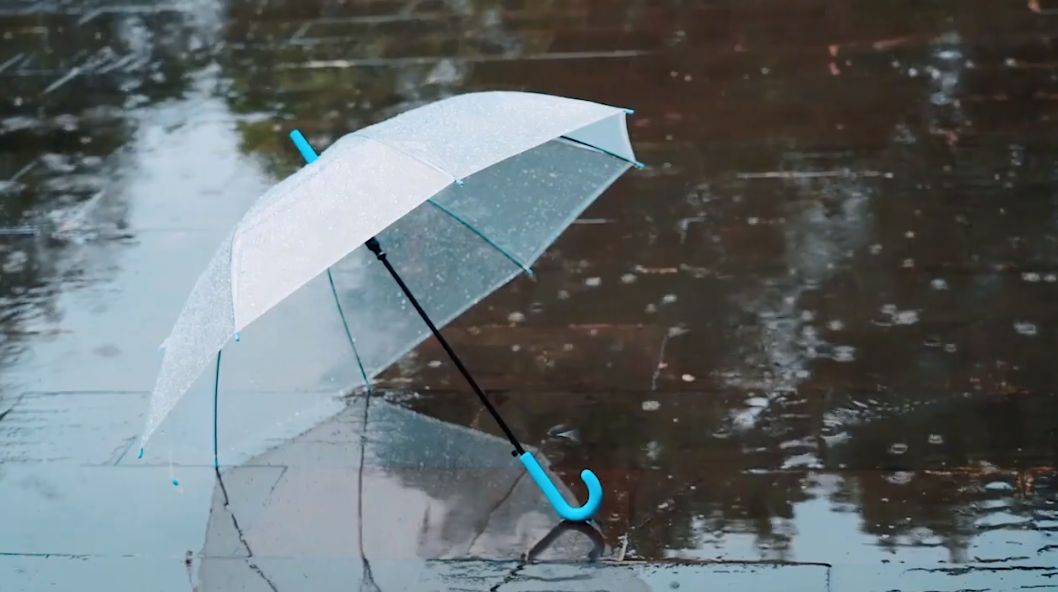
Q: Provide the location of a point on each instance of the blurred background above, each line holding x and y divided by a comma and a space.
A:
819, 327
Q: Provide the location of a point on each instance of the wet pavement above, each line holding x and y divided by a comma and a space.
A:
809, 347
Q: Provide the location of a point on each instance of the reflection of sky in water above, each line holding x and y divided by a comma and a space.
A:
844, 540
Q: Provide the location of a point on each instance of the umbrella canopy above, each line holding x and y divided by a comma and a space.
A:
465, 194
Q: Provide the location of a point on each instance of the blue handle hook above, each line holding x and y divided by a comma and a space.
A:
558, 502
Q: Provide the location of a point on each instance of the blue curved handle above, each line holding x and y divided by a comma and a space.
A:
555, 497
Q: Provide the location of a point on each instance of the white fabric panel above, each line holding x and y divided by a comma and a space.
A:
358, 188
469, 133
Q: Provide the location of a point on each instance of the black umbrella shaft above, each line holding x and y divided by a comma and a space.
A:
376, 248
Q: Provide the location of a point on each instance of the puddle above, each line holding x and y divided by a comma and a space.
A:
816, 333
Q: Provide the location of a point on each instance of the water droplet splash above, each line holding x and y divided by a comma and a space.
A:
1025, 328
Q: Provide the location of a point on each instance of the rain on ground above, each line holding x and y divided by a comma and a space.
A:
810, 346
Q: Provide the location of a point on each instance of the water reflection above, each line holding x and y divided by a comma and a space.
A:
74, 78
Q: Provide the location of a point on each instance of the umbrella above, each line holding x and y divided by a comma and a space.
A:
429, 211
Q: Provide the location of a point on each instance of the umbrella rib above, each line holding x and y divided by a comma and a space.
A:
437, 168
634, 163
450, 213
216, 396
483, 237
348, 332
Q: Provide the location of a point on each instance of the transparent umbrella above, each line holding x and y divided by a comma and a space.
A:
431, 211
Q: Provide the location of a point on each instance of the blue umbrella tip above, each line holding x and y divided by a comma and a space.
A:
459, 182
629, 111
237, 338
176, 483
304, 148
140, 454
639, 165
